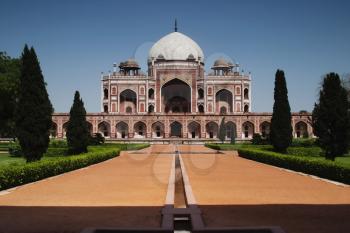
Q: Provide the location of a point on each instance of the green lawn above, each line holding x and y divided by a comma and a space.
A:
344, 161
8, 160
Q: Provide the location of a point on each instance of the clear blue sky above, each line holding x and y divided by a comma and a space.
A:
77, 40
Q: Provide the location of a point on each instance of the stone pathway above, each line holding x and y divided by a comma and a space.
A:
232, 191
128, 190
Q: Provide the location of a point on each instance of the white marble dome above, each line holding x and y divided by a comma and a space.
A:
176, 46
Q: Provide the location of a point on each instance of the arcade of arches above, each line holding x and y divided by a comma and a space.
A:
191, 129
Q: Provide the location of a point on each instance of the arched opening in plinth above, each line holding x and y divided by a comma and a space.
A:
89, 126
105, 129
53, 130
64, 129
265, 129
247, 130
231, 130
194, 130
211, 129
176, 129
301, 130
176, 97
122, 130
128, 100
157, 130
140, 130
223, 99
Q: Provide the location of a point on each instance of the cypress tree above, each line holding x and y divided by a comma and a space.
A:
330, 117
34, 109
77, 128
233, 135
222, 130
281, 128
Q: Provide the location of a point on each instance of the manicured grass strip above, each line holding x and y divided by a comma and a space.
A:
217, 146
12, 176
321, 168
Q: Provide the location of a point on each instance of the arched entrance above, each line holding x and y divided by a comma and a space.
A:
104, 129
247, 130
301, 130
201, 108
89, 126
122, 130
64, 129
230, 130
194, 130
265, 129
223, 99
140, 130
176, 96
157, 130
53, 130
150, 109
175, 129
212, 130
128, 101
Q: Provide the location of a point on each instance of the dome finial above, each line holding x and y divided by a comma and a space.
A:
175, 25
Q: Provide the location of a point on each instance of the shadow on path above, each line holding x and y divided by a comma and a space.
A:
292, 218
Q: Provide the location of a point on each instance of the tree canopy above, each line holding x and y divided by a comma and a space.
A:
34, 109
77, 129
9, 84
330, 117
281, 129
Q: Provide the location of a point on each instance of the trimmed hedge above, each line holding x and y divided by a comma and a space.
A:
220, 146
17, 175
322, 168
216, 147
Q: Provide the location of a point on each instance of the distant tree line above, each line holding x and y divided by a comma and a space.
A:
9, 85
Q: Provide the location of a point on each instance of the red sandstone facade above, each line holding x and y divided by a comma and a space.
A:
176, 99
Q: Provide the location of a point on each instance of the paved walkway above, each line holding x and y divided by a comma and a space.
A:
233, 191
130, 190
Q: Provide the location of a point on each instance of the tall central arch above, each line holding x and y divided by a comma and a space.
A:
176, 96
